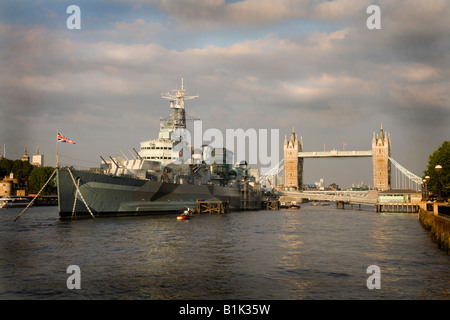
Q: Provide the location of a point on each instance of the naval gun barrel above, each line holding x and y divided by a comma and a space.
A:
137, 153
114, 162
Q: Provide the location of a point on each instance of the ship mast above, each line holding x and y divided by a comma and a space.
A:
177, 99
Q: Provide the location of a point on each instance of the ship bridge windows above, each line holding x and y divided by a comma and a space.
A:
158, 158
156, 148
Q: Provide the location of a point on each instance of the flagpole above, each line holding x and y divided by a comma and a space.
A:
56, 164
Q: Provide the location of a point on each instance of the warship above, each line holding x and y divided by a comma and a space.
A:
158, 179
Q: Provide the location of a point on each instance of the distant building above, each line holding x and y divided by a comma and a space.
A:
333, 187
6, 187
11, 186
359, 187
320, 184
38, 159
26, 157
310, 187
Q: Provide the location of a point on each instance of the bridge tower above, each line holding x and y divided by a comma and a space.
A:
293, 165
381, 151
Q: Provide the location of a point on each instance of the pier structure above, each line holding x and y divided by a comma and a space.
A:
208, 206
394, 200
399, 200
398, 207
271, 205
339, 196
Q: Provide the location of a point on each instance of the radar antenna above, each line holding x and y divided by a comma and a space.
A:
177, 99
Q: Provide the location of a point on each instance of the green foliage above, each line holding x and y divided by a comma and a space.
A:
21, 169
5, 167
38, 178
440, 156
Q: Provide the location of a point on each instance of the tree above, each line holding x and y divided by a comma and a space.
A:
5, 167
21, 169
440, 156
38, 178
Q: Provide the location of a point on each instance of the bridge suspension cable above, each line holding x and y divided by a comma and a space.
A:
272, 172
408, 176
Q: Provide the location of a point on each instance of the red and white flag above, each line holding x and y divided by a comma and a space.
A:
61, 138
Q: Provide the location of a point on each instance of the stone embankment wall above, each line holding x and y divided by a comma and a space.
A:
439, 228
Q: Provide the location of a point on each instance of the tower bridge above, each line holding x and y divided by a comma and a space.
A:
382, 161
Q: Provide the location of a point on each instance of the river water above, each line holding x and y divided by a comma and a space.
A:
317, 252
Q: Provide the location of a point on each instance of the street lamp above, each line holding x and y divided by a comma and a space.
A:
427, 179
425, 188
425, 191
438, 169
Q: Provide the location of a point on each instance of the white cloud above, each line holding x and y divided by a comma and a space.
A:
214, 13
426, 96
340, 9
138, 30
419, 72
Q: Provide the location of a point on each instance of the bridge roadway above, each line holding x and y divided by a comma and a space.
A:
353, 197
335, 154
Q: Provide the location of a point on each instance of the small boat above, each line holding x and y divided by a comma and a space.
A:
14, 201
187, 214
294, 205
321, 204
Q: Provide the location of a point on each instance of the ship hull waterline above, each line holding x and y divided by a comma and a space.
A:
113, 196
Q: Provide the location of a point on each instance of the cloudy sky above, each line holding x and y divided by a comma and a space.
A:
261, 64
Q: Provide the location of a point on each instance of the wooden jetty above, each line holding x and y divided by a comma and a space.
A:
208, 206
398, 207
271, 205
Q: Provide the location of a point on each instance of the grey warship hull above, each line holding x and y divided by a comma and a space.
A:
108, 195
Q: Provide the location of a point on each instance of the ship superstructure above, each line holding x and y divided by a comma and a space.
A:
160, 149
